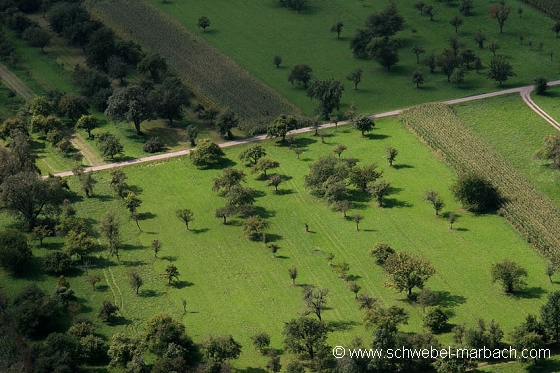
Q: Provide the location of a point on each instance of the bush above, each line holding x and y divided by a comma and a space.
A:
56, 262
153, 145
435, 320
15, 253
380, 252
476, 193
541, 85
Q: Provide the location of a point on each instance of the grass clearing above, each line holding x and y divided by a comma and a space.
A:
253, 32
234, 286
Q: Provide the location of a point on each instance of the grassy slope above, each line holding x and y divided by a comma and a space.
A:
516, 132
549, 101
234, 286
253, 32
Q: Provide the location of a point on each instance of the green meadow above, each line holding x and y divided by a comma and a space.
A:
253, 32
235, 286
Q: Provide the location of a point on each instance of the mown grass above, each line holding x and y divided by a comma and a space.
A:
235, 286
513, 129
253, 32
549, 101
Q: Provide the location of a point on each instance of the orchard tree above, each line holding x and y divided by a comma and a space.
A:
379, 190
448, 61
93, 280
135, 280
381, 252
191, 133
550, 150
87, 123
110, 230
452, 218
203, 23
156, 247
363, 123
277, 61
391, 154
293, 272
264, 164
300, 74
169, 99
107, 311
476, 193
230, 177
254, 226
252, 154
479, 38
171, 272
435, 320
357, 219
15, 253
417, 78
456, 22
432, 197
275, 181
132, 104
118, 183
509, 274
466, 7
305, 335
109, 145
500, 69
73, 107
417, 49
226, 121
339, 149
550, 315
218, 350
355, 77
556, 28
153, 64
500, 13
337, 28
225, 212
261, 341
406, 271
541, 85
315, 300
384, 50
328, 92
206, 153
186, 216
361, 176
281, 126
36, 36
116, 68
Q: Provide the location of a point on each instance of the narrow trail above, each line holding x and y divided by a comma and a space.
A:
523, 91
15, 83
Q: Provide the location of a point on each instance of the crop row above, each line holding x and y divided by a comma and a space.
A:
213, 77
525, 207
550, 7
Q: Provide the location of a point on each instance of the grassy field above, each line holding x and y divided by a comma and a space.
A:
549, 101
516, 132
253, 32
235, 286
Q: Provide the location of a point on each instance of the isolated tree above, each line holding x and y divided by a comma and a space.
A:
118, 183
206, 154
493, 46
427, 298
109, 145
293, 272
203, 23
379, 190
315, 300
225, 212
509, 274
550, 150
456, 22
156, 246
252, 154
417, 49
185, 215
357, 219
339, 149
343, 206
226, 121
354, 288
169, 99
305, 335
132, 202
556, 28
406, 271
355, 77
479, 38
135, 280
466, 7
337, 28
530, 43
277, 61
500, 13
475, 193
541, 85
273, 364
384, 50
275, 181
132, 104
391, 154
431, 11
218, 350
191, 133
15, 253
265, 164
328, 92
363, 124
432, 197
171, 272
300, 74
281, 126
110, 229
93, 280
365, 301
261, 341
107, 311
381, 252
448, 61
254, 226
435, 320
87, 123
550, 315
431, 61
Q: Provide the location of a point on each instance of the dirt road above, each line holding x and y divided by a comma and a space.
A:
12, 81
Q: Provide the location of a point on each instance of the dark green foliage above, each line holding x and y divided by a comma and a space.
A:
355, 77
37, 37
325, 168
238, 196
108, 311
252, 154
337, 28
328, 92
73, 106
15, 253
509, 274
261, 341
218, 350
361, 176
58, 353
427, 298
226, 121
203, 23
281, 126
500, 69
161, 331
389, 319
475, 193
550, 150
191, 133
479, 38
153, 145
435, 320
170, 98
381, 252
277, 61
359, 43
155, 65
109, 145
300, 74
56, 262
379, 190
230, 177
264, 164
254, 226
305, 335
171, 272
100, 46
550, 315
34, 311
500, 13
116, 68
483, 335
384, 50
466, 7
132, 104
385, 23
448, 61
88, 123
541, 85
406, 271
206, 153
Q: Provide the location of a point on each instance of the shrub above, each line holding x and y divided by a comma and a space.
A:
380, 252
435, 319
476, 193
154, 145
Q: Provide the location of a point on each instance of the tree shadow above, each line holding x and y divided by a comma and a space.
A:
146, 215
182, 284
282, 257
448, 300
353, 277
302, 142
119, 321
530, 293
198, 231
401, 166
282, 192
395, 203
223, 163
102, 288
150, 293
133, 263
129, 247
264, 213
544, 366
102, 197
169, 258
342, 325
136, 189
375, 136
273, 237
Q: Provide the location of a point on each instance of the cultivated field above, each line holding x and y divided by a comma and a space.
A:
236, 286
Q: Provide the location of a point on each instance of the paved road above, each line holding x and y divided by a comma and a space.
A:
523, 91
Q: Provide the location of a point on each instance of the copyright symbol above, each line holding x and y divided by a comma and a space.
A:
339, 352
